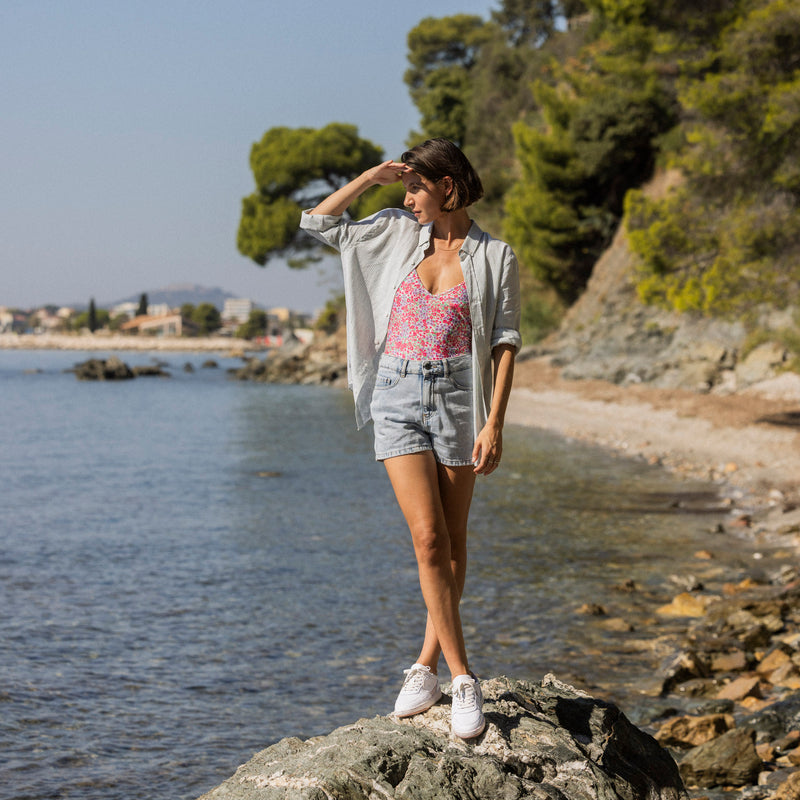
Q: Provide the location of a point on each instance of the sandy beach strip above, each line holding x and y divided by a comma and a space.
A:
118, 342
723, 439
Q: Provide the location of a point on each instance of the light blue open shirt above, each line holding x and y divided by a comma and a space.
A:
377, 254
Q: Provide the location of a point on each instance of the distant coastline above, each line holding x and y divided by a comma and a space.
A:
52, 341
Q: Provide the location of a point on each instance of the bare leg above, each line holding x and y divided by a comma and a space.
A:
455, 488
433, 498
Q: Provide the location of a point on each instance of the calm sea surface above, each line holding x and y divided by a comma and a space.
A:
193, 568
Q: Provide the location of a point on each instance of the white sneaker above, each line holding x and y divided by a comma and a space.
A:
420, 691
467, 719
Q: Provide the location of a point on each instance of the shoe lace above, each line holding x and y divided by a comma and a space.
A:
464, 696
415, 679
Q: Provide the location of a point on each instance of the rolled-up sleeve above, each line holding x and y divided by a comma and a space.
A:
326, 228
506, 323
343, 233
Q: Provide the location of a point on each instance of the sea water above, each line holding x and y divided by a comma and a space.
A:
192, 568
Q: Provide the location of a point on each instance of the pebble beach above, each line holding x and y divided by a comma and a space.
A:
728, 704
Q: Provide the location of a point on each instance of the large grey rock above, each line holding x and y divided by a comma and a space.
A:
547, 741
729, 760
97, 369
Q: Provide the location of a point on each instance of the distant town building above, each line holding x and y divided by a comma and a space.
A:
237, 309
47, 321
162, 325
6, 321
130, 308
288, 318
282, 315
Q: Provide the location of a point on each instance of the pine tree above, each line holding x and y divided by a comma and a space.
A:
92, 325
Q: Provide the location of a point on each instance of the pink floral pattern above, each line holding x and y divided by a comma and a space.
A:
424, 325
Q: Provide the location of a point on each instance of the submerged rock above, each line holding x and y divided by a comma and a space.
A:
150, 371
542, 741
115, 369
97, 369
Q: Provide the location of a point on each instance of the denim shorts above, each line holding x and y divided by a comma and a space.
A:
424, 405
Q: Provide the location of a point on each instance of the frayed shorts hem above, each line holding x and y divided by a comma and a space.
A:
448, 462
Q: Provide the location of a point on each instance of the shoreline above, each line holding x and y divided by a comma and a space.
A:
118, 342
724, 439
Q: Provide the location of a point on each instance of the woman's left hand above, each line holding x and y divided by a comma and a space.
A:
488, 449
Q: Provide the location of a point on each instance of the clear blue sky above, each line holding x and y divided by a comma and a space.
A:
125, 131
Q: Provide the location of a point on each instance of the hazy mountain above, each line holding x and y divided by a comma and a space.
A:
177, 294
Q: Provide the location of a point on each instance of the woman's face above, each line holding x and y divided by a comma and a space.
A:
423, 198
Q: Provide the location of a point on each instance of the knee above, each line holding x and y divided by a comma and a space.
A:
431, 547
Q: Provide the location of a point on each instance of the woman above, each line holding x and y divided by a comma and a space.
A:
432, 330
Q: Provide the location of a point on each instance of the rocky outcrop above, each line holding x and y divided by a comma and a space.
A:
114, 369
610, 334
542, 741
323, 361
97, 369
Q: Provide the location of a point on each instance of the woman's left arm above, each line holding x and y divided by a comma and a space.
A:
489, 442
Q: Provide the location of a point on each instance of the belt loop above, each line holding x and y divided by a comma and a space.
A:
404, 370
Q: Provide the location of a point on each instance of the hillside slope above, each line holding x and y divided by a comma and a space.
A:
610, 334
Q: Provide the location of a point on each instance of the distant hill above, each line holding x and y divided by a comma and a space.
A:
177, 294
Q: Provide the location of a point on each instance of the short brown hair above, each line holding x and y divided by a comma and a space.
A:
438, 158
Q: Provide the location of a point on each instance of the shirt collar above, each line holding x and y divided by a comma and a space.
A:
472, 239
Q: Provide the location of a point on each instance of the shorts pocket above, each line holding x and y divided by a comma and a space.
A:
462, 379
386, 378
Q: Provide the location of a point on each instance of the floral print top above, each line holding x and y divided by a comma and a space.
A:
424, 325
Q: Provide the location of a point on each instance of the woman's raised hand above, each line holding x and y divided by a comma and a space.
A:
387, 172
381, 175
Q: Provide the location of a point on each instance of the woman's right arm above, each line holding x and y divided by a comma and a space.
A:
381, 175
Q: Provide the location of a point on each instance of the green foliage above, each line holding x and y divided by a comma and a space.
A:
93, 318
332, 316
203, 319
142, 308
442, 53
528, 22
378, 198
295, 168
541, 314
116, 322
596, 138
721, 258
501, 95
728, 238
92, 321
689, 21
255, 326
